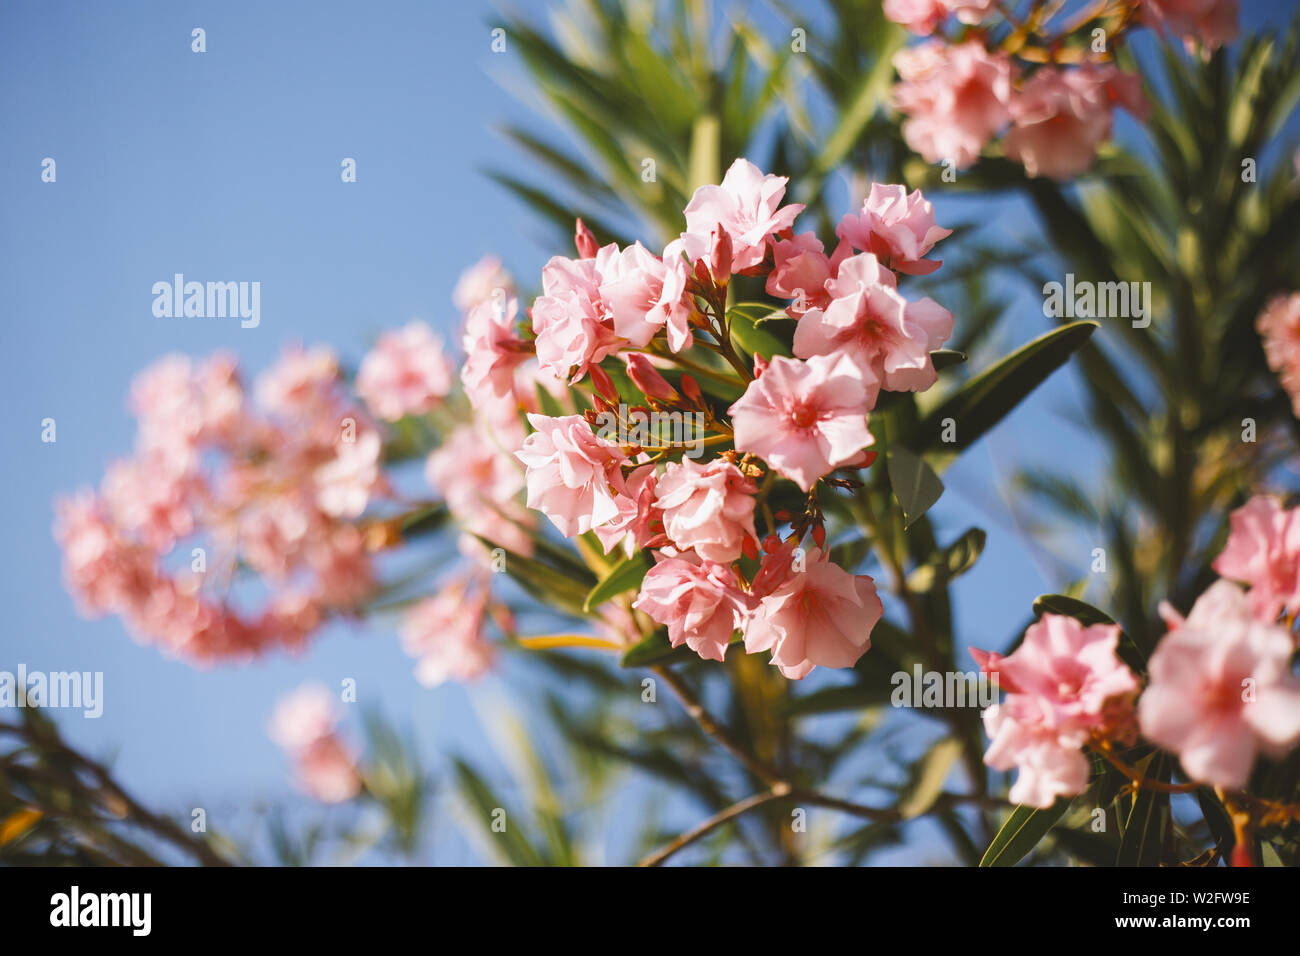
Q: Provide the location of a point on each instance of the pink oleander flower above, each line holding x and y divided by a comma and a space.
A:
1263, 552
924, 16
896, 227
708, 509
698, 601
304, 724
956, 99
446, 634
346, 483
180, 405
406, 373
572, 473
819, 615
801, 270
570, 319
1062, 116
1221, 690
888, 337
493, 352
805, 419
302, 383
645, 294
1064, 683
484, 281
748, 206
149, 498
1279, 328
480, 482
638, 522
1208, 23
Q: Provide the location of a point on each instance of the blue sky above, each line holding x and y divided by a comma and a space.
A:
225, 165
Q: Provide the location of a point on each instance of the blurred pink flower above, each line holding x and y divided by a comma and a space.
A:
805, 419
484, 281
1208, 23
896, 227
445, 633
1279, 327
304, 725
698, 601
480, 482
1221, 690
818, 616
889, 338
708, 509
1263, 552
923, 16
1059, 119
406, 373
956, 99
748, 206
571, 473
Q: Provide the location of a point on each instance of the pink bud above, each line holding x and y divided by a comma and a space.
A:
603, 384
760, 366
585, 240
720, 253
647, 378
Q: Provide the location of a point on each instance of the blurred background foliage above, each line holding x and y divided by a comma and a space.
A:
803, 93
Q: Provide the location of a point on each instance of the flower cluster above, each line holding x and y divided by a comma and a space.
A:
220, 483
1220, 687
800, 418
305, 724
1048, 92
1279, 328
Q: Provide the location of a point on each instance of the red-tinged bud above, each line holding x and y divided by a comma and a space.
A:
720, 254
819, 535
749, 548
603, 384
647, 378
870, 459
691, 389
600, 405
585, 240
1241, 855
702, 275
771, 543
760, 366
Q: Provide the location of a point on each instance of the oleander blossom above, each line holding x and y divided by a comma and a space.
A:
482, 282
698, 601
1221, 689
956, 99
447, 635
573, 476
1065, 684
1207, 23
897, 227
406, 373
816, 615
480, 482
708, 509
1278, 326
924, 16
806, 419
304, 724
889, 338
1263, 552
748, 206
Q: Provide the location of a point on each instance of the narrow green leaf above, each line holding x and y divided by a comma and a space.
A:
1144, 832
1022, 832
928, 777
954, 560
1071, 607
915, 484
624, 576
510, 842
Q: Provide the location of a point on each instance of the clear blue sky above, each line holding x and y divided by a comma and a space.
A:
225, 165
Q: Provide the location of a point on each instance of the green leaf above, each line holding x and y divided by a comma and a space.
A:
928, 778
987, 398
652, 650
1022, 832
1144, 832
565, 589
745, 319
510, 842
869, 96
954, 560
624, 576
1081, 611
915, 484
945, 358
829, 700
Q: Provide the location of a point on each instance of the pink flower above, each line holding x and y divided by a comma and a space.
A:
480, 481
1222, 690
820, 615
806, 419
1279, 327
697, 600
888, 337
707, 508
484, 281
572, 473
898, 228
301, 384
634, 525
346, 483
1059, 119
645, 294
801, 270
446, 633
181, 405
1263, 551
150, 499
748, 206
406, 373
493, 351
956, 99
923, 16
1211, 23
571, 319
303, 724
1065, 682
